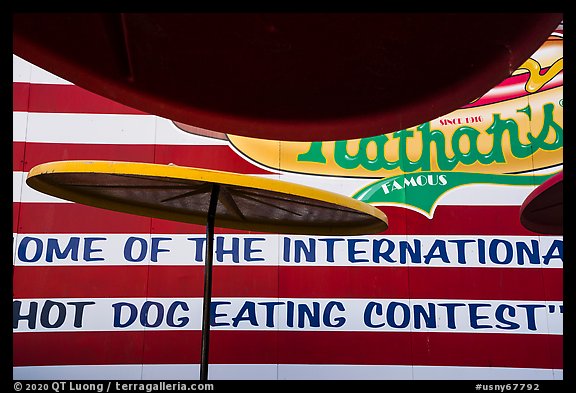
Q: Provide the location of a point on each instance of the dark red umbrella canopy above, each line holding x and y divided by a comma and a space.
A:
542, 211
285, 76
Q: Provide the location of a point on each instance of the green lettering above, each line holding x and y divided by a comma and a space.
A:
472, 155
314, 154
518, 149
380, 161
496, 154
527, 111
342, 158
405, 164
436, 136
346, 160
538, 141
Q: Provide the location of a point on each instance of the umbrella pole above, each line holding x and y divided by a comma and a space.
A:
208, 282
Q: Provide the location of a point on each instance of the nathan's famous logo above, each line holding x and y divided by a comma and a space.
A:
514, 129
529, 138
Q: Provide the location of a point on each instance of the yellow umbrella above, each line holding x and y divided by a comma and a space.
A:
213, 198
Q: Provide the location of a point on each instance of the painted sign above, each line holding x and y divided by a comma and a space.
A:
456, 288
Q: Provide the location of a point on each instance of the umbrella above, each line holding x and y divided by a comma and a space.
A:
286, 76
213, 198
542, 210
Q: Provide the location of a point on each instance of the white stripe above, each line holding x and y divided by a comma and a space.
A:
486, 194
17, 186
215, 371
21, 69
90, 128
109, 129
339, 185
186, 372
21, 192
294, 314
19, 126
24, 71
523, 375
390, 372
280, 250
548, 171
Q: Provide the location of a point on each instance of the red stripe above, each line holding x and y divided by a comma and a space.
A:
142, 281
102, 281
425, 349
15, 217
420, 283
52, 98
488, 350
20, 96
57, 217
447, 220
77, 218
463, 220
553, 284
290, 347
216, 157
289, 282
18, 151
38, 153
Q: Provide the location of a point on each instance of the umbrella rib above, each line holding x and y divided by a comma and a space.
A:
228, 201
334, 207
242, 195
201, 190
